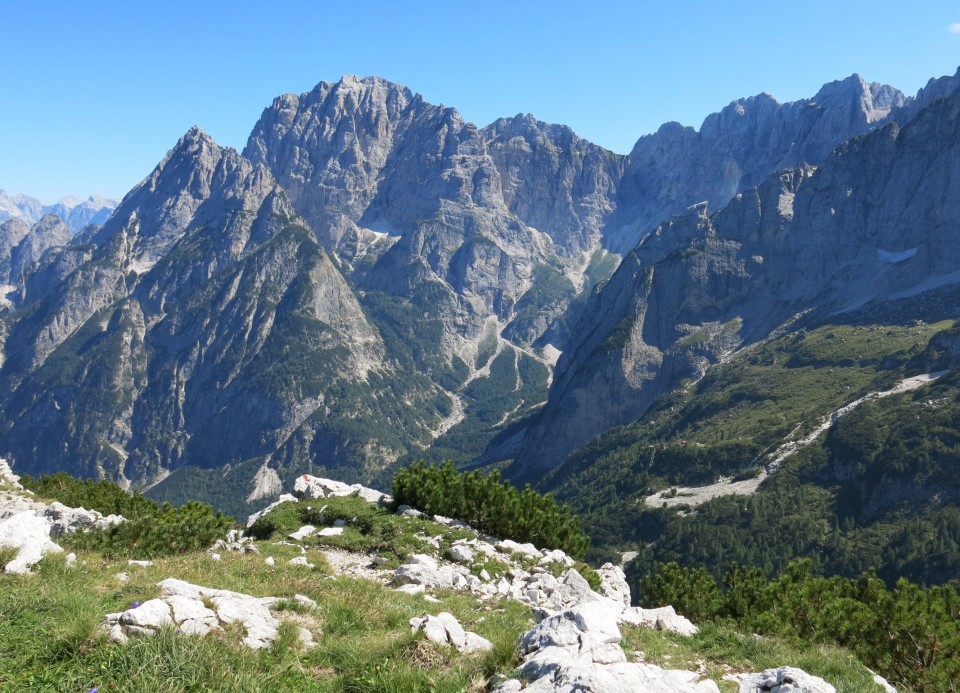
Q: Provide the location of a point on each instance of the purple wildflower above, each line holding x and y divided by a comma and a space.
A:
133, 606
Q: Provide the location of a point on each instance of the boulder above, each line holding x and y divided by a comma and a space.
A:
302, 533
662, 618
509, 547
66, 520
152, 614
407, 511
556, 556
445, 629
450, 522
30, 535
613, 584
460, 553
6, 474
579, 650
785, 680
621, 678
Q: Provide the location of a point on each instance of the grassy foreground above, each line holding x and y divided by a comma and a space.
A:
49, 639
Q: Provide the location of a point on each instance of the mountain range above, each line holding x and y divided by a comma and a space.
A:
74, 212
375, 280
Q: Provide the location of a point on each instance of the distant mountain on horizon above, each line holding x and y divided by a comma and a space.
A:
74, 212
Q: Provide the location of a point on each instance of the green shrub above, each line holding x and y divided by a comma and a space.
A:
103, 496
169, 531
149, 529
909, 634
490, 505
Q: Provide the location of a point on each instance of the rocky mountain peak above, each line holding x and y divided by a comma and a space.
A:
868, 102
177, 195
936, 88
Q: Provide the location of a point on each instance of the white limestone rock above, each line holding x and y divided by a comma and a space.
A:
883, 683
185, 606
152, 614
407, 511
785, 680
30, 535
613, 584
307, 486
460, 553
445, 629
579, 650
509, 547
662, 618
302, 533
556, 556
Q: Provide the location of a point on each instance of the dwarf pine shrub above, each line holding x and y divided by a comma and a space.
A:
149, 530
490, 505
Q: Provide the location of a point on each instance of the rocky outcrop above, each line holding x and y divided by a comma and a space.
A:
308, 486
26, 524
196, 610
579, 650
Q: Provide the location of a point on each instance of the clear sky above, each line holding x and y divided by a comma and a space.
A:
94, 93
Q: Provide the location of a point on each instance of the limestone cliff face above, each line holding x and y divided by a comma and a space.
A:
22, 246
738, 148
12, 232
555, 181
871, 223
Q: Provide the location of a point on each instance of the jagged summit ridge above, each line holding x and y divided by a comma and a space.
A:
868, 224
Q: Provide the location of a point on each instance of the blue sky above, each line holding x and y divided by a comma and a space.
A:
94, 93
